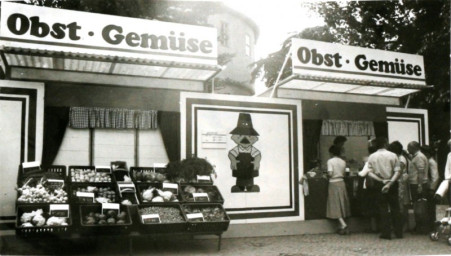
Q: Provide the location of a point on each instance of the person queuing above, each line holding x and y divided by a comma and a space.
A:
340, 141
403, 185
337, 201
384, 170
418, 171
443, 188
369, 193
433, 183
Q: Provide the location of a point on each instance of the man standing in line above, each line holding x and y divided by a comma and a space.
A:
384, 168
418, 172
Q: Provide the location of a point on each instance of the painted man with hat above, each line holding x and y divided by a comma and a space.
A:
244, 158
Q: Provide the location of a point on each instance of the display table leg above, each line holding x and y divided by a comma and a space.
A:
130, 245
219, 242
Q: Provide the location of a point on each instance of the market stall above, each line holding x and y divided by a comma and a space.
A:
352, 92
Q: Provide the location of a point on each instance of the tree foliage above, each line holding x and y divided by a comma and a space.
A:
416, 27
186, 12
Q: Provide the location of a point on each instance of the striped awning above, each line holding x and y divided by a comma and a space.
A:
345, 90
48, 65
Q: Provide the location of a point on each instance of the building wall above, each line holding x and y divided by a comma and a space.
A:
238, 68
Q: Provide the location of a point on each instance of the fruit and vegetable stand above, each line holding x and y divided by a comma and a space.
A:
89, 202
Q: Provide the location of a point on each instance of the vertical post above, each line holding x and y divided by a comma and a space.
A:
91, 146
136, 147
276, 84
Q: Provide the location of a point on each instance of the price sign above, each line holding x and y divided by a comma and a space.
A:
195, 216
203, 178
55, 183
173, 187
59, 210
151, 218
103, 169
31, 167
201, 197
111, 207
85, 197
126, 187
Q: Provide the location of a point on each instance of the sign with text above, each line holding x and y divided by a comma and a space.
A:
203, 178
59, 210
150, 218
111, 207
195, 216
54, 183
46, 28
31, 167
201, 197
333, 60
85, 197
173, 187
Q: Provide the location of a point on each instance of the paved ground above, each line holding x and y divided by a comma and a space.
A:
303, 245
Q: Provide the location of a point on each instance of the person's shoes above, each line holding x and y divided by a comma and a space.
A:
343, 231
385, 237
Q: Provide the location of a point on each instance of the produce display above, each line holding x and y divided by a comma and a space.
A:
102, 194
167, 214
211, 191
37, 219
210, 213
149, 176
111, 217
89, 175
155, 195
41, 194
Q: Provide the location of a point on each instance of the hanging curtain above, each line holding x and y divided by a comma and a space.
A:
169, 122
112, 118
55, 124
311, 131
347, 128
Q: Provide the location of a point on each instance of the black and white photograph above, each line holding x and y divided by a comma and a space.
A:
225, 127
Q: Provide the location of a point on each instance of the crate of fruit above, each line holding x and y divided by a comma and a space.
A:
206, 217
96, 220
201, 194
93, 193
159, 218
158, 192
41, 220
148, 174
79, 174
42, 188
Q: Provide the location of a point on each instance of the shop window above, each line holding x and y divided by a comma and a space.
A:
224, 34
247, 46
114, 145
74, 149
151, 148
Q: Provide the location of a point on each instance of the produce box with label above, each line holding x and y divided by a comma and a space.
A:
148, 174
42, 188
158, 192
201, 193
94, 193
43, 219
104, 219
158, 218
86, 174
206, 217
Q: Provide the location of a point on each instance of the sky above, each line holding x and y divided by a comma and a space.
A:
276, 19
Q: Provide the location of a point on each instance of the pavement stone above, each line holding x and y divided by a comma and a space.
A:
300, 245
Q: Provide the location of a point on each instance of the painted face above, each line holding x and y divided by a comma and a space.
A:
244, 140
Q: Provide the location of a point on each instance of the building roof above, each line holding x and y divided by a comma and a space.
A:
245, 18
